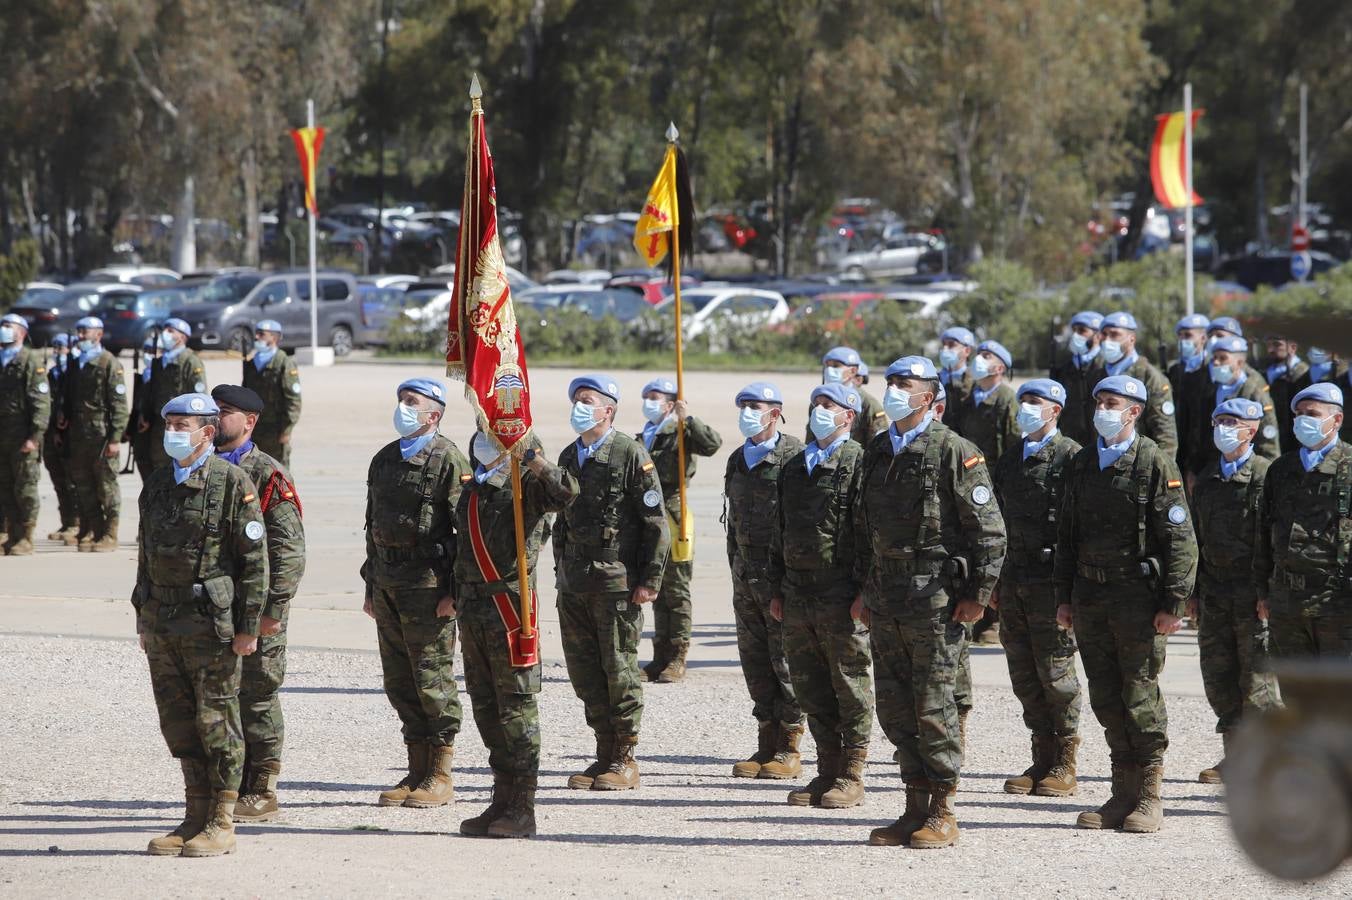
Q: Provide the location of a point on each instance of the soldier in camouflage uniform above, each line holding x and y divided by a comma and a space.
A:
751, 490
94, 414
412, 488
1230, 378
201, 584
1118, 356
53, 456
1029, 483
930, 545
1301, 554
142, 452
25, 407
672, 620
610, 547
177, 371
1323, 367
812, 593
957, 345
1231, 637
270, 373
502, 681
1074, 373
1285, 372
264, 671
843, 365
1126, 559
1188, 382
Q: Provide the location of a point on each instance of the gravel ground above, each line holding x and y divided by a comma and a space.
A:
87, 781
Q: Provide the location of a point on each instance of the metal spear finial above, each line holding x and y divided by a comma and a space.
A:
475, 92
672, 133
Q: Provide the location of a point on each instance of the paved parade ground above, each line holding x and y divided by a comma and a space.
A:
86, 779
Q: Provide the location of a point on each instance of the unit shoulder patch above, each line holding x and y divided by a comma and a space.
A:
981, 495
254, 531
1177, 514
1167, 407
651, 499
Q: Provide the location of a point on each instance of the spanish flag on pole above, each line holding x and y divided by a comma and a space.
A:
1168, 160
308, 142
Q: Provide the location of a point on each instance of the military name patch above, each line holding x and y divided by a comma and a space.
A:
120, 389
1167, 407
651, 499
253, 531
981, 495
1269, 431
1177, 514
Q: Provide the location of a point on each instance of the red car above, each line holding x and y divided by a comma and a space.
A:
845, 311
653, 285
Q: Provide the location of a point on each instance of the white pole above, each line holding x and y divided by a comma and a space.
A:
1187, 190
1304, 154
314, 264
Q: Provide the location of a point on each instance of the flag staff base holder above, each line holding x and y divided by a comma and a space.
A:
314, 356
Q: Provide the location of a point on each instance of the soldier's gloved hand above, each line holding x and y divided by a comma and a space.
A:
268, 626
1263, 610
1167, 623
682, 410
643, 595
1064, 617
284, 437
28, 446
368, 608
861, 613
446, 608
1192, 608
968, 611
114, 450
244, 644
777, 608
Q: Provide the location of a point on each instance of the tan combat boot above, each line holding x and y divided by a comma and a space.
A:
899, 833
66, 533
941, 826
437, 787
1213, 774
661, 653
478, 825
85, 542
217, 837
848, 789
766, 742
787, 762
1043, 747
107, 542
417, 771
198, 796
622, 773
518, 818
1126, 785
259, 800
22, 543
674, 670
605, 746
829, 762
1060, 781
1149, 812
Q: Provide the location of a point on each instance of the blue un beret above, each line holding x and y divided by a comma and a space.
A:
1196, 320
847, 397
1226, 323
1088, 318
148, 343
662, 385
1122, 319
863, 368
760, 392
428, 387
179, 325
959, 334
15, 319
844, 355
90, 322
191, 405
1239, 408
913, 367
1231, 344
1123, 386
61, 340
269, 325
602, 384
998, 350
1045, 388
1324, 392
941, 394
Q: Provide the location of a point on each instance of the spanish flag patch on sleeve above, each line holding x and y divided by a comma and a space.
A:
1173, 483
465, 478
648, 466
972, 461
248, 498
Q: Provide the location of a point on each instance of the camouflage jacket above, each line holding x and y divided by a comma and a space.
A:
614, 536
993, 425
1225, 514
959, 396
1201, 448
25, 398
1281, 390
278, 384
700, 440
94, 398
1157, 422
752, 513
1187, 387
1115, 519
170, 379
870, 420
281, 510
930, 530
56, 380
410, 515
201, 545
1030, 493
1077, 417
812, 548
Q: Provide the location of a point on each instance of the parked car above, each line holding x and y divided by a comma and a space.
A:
841, 310
890, 258
34, 292
128, 317
516, 279
577, 276
50, 315
1272, 268
129, 274
652, 283
596, 301
284, 297
707, 310
401, 282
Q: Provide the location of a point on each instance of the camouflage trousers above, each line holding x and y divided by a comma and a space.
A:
19, 476
962, 684
915, 671
504, 696
270, 442
95, 478
1041, 659
1122, 656
417, 657
195, 678
1296, 633
673, 619
600, 646
1233, 643
828, 656
260, 704
59, 471
760, 647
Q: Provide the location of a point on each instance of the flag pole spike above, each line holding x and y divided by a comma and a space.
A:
475, 92
672, 133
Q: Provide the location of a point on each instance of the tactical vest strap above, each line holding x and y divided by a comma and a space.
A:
1140, 477
431, 469
929, 488
214, 498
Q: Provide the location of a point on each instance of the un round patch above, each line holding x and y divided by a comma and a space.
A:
1168, 407
42, 388
767, 393
651, 499
1269, 431
295, 388
1177, 514
200, 387
981, 495
253, 531
120, 389
196, 404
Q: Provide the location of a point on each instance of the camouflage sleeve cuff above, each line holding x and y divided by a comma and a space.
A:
275, 608
249, 625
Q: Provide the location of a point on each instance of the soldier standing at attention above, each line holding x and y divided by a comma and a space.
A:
53, 455
271, 374
259, 703
1285, 370
1231, 637
141, 450
177, 371
1230, 378
1323, 367
812, 592
610, 546
94, 415
1074, 375
843, 365
929, 549
201, 585
957, 345
502, 688
1126, 559
751, 489
1119, 357
1030, 481
412, 489
1300, 560
25, 408
1188, 382
672, 619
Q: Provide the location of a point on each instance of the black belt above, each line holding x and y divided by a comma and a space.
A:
409, 554
1105, 574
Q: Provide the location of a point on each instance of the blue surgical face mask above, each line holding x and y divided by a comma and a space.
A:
654, 410
167, 341
1112, 351
7, 335
1108, 423
1030, 418
1188, 350
897, 404
981, 368
1079, 344
86, 345
948, 358
583, 417
406, 419
751, 422
178, 444
823, 422
1317, 357
261, 346
1222, 374
1226, 438
832, 374
1310, 430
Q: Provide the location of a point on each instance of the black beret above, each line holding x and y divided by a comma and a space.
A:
238, 396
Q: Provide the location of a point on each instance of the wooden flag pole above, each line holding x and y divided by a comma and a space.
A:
672, 135
522, 575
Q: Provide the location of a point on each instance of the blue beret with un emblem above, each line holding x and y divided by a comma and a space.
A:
1240, 409
61, 340
428, 387
661, 385
179, 325
191, 405
602, 384
961, 335
1324, 392
1045, 388
913, 367
997, 349
269, 325
846, 356
1196, 320
1231, 344
1122, 319
1088, 318
839, 394
1226, 323
1123, 386
15, 319
759, 392
90, 322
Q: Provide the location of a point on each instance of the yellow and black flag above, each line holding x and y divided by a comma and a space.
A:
669, 208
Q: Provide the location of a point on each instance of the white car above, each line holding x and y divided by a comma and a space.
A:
706, 310
399, 282
577, 276
128, 274
891, 258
